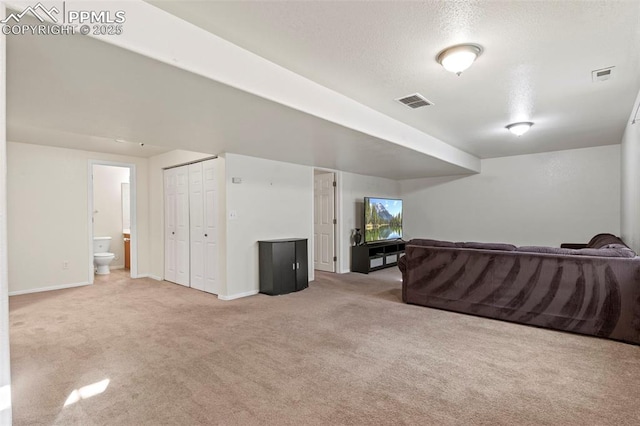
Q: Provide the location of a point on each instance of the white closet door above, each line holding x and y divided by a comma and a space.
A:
196, 216
182, 226
170, 189
211, 279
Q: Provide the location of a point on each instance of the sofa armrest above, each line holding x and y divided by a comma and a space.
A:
402, 264
575, 246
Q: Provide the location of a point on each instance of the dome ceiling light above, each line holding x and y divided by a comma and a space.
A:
459, 57
519, 129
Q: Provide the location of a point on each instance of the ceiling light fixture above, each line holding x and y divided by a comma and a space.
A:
459, 57
521, 128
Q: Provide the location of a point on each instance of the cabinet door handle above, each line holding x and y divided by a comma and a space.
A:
294, 266
205, 235
298, 265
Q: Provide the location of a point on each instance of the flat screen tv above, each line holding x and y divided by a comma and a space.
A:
382, 219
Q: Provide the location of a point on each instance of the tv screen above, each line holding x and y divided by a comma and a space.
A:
382, 219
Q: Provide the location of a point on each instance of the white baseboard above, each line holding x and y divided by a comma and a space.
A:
116, 266
41, 289
238, 295
153, 277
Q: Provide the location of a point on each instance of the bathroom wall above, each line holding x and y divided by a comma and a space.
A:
107, 207
48, 215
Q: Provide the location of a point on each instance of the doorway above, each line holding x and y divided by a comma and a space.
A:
324, 220
112, 214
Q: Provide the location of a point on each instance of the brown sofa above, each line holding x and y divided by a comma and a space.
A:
593, 290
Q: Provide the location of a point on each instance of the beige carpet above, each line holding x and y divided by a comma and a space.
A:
344, 351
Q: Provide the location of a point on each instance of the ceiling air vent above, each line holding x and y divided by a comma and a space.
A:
603, 74
414, 101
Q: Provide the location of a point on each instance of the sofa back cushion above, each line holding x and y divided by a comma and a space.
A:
545, 250
487, 246
431, 243
605, 241
603, 252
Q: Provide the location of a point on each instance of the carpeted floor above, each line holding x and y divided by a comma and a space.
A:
343, 351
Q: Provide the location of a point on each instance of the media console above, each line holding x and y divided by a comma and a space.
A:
373, 256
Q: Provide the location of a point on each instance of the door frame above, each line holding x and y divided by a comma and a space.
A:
337, 206
133, 191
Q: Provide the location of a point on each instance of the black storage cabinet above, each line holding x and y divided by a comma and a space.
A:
283, 266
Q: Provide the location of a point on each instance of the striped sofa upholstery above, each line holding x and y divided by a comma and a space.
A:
593, 291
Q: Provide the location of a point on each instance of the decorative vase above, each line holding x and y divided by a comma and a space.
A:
357, 237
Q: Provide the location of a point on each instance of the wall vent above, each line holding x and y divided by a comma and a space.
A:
414, 101
603, 74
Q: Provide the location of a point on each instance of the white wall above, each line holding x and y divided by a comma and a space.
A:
274, 200
354, 188
156, 203
630, 163
48, 205
5, 371
107, 206
539, 199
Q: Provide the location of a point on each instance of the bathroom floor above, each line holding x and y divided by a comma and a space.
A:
115, 276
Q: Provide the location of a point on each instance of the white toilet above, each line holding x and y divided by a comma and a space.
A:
101, 256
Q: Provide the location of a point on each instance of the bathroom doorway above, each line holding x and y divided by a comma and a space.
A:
112, 218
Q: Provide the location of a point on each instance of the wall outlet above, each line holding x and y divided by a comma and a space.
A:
233, 214
65, 264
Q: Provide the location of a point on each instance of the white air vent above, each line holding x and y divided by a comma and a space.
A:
414, 101
603, 74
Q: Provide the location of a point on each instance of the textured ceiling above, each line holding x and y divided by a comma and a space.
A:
78, 92
536, 64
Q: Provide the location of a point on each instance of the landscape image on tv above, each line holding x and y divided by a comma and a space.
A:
382, 219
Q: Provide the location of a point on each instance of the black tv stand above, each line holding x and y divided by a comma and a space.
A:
374, 256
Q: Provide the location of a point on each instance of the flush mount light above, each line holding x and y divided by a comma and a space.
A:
521, 128
458, 58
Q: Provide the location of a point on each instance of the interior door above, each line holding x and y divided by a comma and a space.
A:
182, 226
170, 188
210, 224
196, 224
323, 222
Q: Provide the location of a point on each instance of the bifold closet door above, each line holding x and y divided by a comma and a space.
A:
177, 262
204, 231
196, 221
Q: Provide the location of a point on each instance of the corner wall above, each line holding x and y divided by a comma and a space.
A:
47, 215
5, 371
537, 199
630, 182
354, 188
